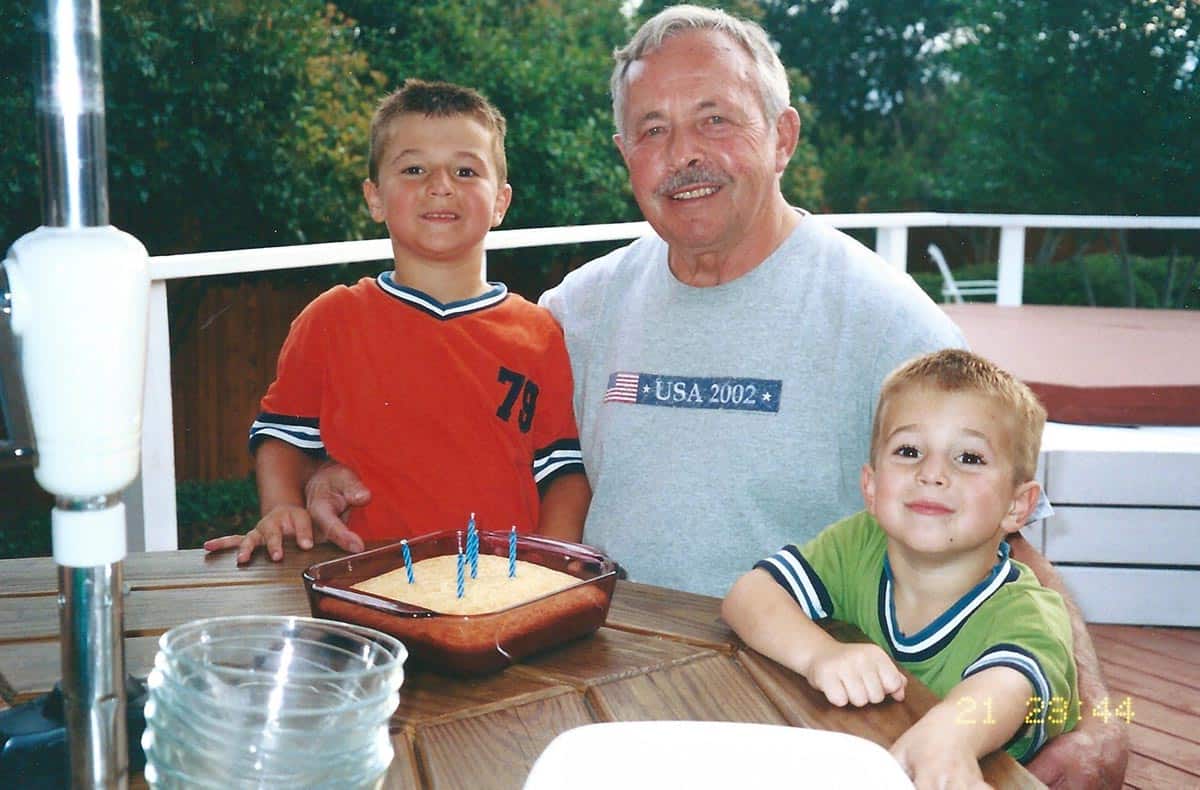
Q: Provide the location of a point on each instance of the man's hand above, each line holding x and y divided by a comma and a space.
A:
1094, 754
329, 495
857, 673
1090, 757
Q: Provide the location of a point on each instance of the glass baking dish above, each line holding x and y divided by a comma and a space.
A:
473, 644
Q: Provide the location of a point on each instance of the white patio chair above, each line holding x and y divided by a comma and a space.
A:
956, 289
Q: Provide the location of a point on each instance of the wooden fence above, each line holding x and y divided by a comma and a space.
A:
223, 360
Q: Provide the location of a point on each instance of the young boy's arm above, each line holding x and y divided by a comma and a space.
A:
768, 620
564, 507
281, 471
977, 717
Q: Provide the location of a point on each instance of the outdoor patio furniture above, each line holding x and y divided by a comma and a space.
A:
956, 289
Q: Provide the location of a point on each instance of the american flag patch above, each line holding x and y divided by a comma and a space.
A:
622, 388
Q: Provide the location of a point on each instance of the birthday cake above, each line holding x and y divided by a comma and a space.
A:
560, 591
435, 584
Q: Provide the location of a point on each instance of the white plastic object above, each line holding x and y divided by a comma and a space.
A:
79, 305
87, 538
708, 754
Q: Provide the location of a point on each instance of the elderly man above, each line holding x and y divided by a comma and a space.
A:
726, 368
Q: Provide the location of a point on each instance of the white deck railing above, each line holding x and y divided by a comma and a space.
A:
151, 500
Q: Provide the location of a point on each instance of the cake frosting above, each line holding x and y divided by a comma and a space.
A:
435, 584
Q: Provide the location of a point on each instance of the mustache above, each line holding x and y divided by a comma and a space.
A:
691, 175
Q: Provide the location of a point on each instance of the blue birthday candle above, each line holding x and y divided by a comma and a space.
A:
473, 547
407, 560
460, 566
512, 553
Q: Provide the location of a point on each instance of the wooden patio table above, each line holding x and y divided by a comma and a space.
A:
662, 654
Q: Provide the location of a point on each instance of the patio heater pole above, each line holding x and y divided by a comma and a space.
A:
78, 294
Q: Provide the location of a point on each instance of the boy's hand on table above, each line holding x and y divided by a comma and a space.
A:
268, 532
858, 673
933, 763
283, 521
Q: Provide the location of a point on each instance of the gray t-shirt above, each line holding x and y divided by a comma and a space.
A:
718, 424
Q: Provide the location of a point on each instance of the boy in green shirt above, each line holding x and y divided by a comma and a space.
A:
924, 572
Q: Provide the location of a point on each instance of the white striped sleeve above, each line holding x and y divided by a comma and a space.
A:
793, 573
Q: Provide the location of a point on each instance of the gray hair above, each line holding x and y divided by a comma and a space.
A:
771, 77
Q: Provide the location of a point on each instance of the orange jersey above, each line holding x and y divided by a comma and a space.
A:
442, 410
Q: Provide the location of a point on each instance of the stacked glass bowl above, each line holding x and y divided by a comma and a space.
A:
257, 702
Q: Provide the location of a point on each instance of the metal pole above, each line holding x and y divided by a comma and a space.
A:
70, 109
91, 619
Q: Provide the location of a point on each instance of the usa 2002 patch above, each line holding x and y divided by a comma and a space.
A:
694, 392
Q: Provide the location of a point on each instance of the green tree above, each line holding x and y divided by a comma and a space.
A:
229, 124
804, 180
545, 64
873, 81
866, 59
1076, 106
20, 209
235, 124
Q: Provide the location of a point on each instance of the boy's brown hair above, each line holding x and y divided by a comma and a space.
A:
956, 370
436, 100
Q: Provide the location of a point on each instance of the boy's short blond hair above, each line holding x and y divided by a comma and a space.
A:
436, 100
956, 370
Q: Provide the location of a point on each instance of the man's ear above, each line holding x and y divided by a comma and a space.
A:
1024, 500
374, 202
619, 141
787, 134
866, 481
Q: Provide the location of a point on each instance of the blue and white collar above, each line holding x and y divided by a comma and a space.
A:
933, 637
423, 301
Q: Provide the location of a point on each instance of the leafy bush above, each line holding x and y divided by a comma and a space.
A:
1069, 282
210, 509
26, 535
205, 510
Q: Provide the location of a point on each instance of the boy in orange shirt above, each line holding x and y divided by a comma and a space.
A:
447, 394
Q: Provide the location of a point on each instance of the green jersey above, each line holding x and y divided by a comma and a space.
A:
1008, 619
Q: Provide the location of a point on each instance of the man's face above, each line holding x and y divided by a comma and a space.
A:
703, 161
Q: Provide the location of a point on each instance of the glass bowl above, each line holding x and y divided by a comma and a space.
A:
257, 701
471, 644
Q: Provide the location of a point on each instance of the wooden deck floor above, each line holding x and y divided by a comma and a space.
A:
1159, 670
